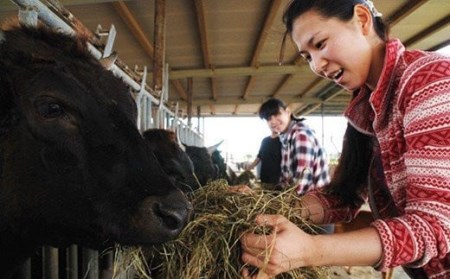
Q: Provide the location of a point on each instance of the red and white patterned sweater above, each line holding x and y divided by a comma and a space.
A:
409, 113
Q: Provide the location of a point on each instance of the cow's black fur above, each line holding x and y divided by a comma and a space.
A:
205, 170
74, 168
208, 163
174, 161
220, 165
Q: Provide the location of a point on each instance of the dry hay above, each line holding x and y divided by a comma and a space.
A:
247, 177
209, 246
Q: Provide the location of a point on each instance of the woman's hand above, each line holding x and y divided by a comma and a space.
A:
286, 248
260, 275
241, 188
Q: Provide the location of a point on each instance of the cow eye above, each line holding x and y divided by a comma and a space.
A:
50, 109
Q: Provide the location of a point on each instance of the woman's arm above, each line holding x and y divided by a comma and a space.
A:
312, 209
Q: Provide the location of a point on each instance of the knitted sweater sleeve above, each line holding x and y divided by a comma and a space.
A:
421, 236
334, 210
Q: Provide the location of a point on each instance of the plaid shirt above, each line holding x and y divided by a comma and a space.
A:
303, 160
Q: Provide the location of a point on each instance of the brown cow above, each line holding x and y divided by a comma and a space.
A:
73, 166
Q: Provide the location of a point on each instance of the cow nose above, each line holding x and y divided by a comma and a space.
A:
174, 218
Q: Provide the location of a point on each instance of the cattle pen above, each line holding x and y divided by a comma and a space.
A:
221, 58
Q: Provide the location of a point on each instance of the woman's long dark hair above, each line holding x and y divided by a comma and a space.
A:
351, 173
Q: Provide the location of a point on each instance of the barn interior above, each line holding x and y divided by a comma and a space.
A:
222, 58
216, 58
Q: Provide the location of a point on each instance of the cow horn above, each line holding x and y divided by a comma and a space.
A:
182, 146
213, 148
108, 62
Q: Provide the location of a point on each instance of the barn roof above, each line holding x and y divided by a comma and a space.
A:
222, 55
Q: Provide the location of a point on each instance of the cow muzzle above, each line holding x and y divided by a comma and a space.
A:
160, 219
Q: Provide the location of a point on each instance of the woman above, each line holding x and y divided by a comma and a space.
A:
398, 136
303, 161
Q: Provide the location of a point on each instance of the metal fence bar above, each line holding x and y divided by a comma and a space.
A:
90, 263
50, 262
72, 262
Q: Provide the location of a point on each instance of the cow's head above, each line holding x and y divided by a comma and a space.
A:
174, 161
74, 167
202, 158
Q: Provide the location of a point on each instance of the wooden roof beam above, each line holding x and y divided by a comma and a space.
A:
428, 31
159, 45
440, 45
317, 105
405, 10
285, 80
251, 100
310, 86
180, 89
137, 31
202, 30
268, 22
132, 24
238, 71
201, 21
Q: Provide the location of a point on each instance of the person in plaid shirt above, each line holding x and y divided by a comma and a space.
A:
303, 160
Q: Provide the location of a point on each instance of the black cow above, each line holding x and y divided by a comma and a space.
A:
204, 167
174, 161
220, 165
73, 166
208, 163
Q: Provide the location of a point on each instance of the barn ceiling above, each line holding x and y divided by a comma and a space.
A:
222, 55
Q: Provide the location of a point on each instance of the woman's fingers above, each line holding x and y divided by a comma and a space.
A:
242, 188
257, 259
274, 221
259, 275
256, 241
262, 275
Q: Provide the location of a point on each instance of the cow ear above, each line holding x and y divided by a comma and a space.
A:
213, 148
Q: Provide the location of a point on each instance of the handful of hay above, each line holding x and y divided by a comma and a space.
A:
209, 246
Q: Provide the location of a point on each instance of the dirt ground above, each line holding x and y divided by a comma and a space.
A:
358, 272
